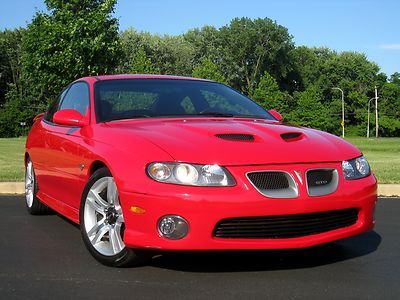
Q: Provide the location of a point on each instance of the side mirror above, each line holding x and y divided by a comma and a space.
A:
275, 114
69, 117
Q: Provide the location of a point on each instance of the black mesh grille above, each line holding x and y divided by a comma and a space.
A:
288, 226
319, 177
235, 136
269, 180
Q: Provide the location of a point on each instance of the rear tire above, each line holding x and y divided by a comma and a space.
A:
33, 204
102, 223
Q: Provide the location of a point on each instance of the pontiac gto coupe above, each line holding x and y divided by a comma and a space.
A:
150, 162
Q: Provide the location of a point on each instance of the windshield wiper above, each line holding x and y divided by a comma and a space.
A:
128, 117
215, 114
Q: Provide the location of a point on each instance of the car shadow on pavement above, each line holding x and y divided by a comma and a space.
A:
245, 261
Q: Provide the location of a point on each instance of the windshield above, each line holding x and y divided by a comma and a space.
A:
145, 98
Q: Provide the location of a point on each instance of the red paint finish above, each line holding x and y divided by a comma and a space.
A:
63, 157
69, 117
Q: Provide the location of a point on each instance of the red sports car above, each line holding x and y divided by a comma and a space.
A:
148, 162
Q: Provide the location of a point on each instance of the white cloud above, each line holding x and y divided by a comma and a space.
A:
390, 46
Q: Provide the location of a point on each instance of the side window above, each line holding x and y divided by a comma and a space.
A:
77, 98
54, 105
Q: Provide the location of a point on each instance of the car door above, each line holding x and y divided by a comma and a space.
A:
39, 149
63, 161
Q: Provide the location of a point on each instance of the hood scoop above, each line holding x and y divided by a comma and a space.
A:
237, 137
292, 136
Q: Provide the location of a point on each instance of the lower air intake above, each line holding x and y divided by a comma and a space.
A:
287, 226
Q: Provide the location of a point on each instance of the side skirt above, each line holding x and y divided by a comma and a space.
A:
60, 207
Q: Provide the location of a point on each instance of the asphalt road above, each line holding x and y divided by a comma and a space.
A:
43, 257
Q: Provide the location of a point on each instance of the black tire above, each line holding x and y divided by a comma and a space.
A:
127, 256
32, 202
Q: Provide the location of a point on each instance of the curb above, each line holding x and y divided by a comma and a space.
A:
17, 188
389, 190
12, 188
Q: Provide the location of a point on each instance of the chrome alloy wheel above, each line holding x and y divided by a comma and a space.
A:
103, 218
29, 184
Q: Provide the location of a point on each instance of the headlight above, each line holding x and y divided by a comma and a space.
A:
190, 174
356, 168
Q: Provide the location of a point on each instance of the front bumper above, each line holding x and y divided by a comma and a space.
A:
204, 207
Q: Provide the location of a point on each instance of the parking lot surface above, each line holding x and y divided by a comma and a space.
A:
43, 257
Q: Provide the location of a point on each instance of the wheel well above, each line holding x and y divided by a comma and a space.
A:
26, 158
95, 166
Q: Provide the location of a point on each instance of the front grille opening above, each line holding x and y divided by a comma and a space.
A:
322, 181
274, 184
285, 226
235, 136
269, 180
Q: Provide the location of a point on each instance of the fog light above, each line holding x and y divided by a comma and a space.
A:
173, 227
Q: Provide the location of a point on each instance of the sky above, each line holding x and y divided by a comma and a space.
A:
367, 26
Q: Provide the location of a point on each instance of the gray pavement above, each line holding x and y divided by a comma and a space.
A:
42, 257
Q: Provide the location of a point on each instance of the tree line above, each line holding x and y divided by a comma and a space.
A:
255, 56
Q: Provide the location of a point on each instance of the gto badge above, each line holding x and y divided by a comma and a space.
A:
321, 182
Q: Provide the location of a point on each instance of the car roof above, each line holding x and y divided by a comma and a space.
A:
139, 76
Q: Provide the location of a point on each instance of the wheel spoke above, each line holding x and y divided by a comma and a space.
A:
96, 201
29, 170
115, 239
98, 226
112, 194
100, 233
120, 218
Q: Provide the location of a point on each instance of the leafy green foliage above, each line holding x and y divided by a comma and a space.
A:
208, 70
310, 111
168, 54
251, 47
141, 64
256, 56
10, 61
17, 114
77, 38
269, 95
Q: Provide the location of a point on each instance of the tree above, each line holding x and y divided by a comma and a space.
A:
76, 38
269, 95
16, 103
308, 66
204, 42
141, 64
168, 54
10, 61
251, 47
310, 112
395, 78
208, 70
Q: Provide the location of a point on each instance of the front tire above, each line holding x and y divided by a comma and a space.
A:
102, 223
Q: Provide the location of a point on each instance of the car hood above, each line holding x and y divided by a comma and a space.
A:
230, 141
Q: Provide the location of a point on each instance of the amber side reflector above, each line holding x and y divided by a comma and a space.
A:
137, 210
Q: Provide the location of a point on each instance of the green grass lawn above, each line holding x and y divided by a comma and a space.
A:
383, 154
12, 159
